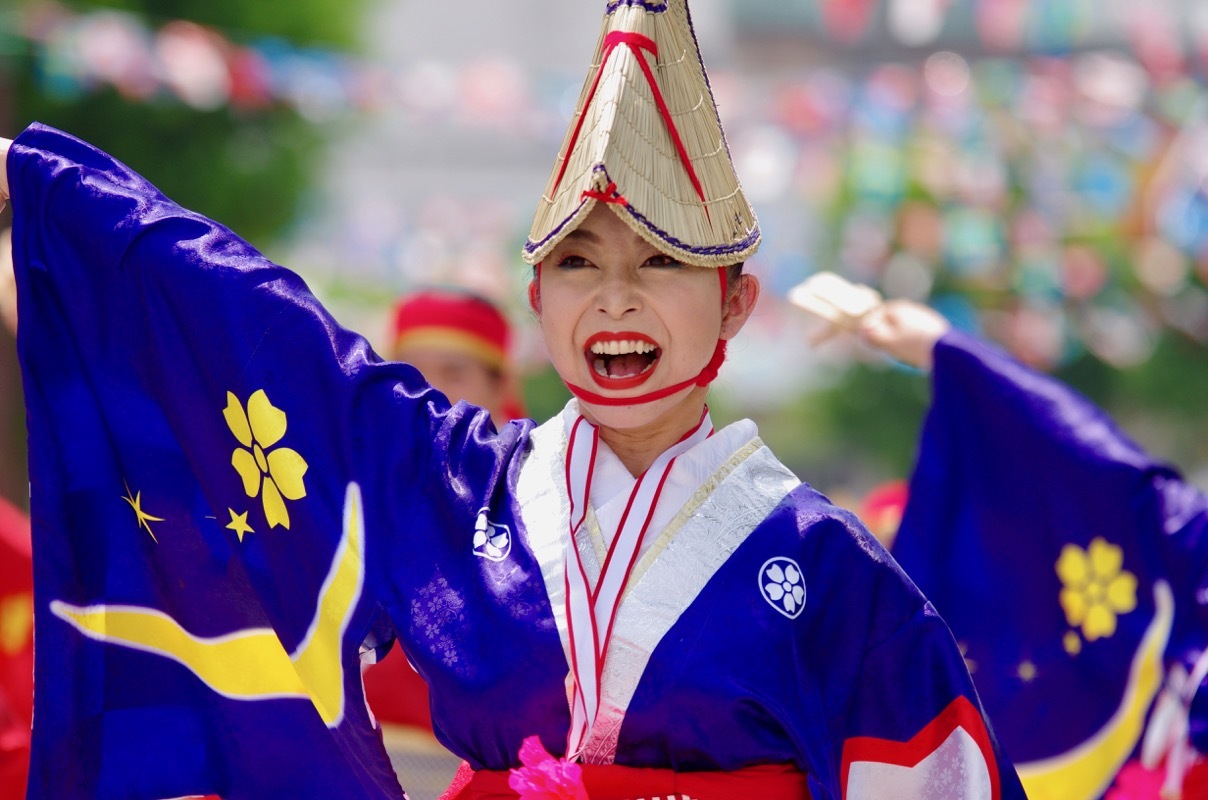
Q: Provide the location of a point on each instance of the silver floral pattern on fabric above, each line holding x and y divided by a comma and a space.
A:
437, 607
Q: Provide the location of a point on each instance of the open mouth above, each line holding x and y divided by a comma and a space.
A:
621, 360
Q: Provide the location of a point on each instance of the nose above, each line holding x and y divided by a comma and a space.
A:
618, 295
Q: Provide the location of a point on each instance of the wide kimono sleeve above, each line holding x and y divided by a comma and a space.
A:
229, 492
1067, 561
904, 718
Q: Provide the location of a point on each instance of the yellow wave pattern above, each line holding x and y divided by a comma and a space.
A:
252, 664
1085, 772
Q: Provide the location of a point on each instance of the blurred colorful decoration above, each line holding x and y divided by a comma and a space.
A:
196, 65
1046, 163
847, 20
1002, 24
207, 69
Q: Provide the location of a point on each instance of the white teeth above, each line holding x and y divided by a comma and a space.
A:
621, 347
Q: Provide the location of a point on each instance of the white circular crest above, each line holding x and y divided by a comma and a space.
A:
783, 586
491, 541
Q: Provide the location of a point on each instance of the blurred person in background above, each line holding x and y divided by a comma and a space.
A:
1068, 562
462, 344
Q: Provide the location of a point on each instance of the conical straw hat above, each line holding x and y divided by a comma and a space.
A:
647, 140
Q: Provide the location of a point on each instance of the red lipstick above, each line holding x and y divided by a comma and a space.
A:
626, 359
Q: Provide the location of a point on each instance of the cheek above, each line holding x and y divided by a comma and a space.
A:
694, 314
557, 328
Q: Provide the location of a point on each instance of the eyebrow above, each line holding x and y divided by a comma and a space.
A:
579, 233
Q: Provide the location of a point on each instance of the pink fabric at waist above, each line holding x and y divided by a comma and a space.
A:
613, 782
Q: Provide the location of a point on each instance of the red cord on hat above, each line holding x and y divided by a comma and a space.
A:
609, 195
636, 42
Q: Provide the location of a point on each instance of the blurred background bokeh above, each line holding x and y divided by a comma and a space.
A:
1036, 169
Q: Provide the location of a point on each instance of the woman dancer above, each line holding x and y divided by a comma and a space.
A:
663, 605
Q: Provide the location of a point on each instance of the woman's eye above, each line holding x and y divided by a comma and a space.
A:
573, 262
663, 261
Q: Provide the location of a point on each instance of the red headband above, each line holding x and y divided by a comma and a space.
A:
455, 321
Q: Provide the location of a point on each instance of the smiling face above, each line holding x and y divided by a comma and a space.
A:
621, 319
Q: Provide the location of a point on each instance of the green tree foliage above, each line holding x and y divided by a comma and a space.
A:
247, 169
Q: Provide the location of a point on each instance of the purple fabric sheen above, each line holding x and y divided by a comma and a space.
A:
1184, 553
1013, 468
138, 317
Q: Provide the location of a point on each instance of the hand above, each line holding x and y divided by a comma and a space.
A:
905, 330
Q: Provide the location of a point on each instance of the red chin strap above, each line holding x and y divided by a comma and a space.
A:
706, 376
703, 378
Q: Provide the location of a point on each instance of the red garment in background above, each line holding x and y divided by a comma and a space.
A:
16, 649
1195, 783
396, 693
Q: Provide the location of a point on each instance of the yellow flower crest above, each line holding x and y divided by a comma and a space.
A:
272, 472
1096, 589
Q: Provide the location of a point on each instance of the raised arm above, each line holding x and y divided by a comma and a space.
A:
167, 320
199, 429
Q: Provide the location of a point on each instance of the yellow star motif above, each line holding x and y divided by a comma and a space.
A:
1026, 671
238, 524
144, 519
250, 664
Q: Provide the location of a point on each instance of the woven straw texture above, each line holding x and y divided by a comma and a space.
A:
620, 149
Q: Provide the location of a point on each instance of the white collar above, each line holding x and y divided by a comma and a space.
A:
612, 481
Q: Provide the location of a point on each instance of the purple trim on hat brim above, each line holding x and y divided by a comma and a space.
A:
652, 7
714, 250
531, 247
